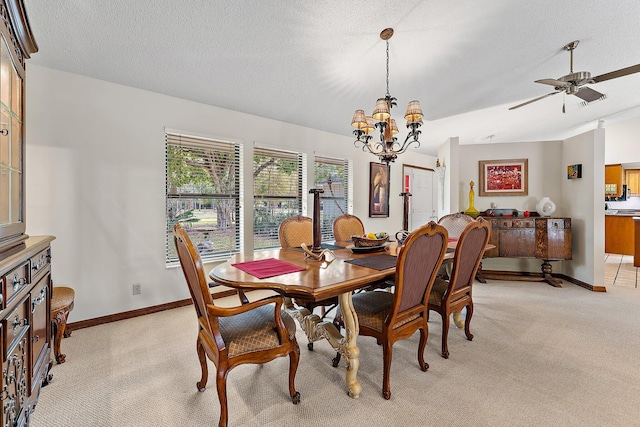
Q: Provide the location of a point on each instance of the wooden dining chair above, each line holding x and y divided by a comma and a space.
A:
389, 317
256, 332
455, 223
292, 233
345, 226
449, 296
295, 231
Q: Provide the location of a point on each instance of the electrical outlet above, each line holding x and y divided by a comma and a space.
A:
137, 288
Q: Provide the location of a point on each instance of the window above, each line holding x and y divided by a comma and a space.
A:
278, 190
203, 186
332, 176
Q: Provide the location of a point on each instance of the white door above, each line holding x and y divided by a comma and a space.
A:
423, 202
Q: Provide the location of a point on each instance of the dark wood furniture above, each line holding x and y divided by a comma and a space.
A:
25, 277
319, 281
451, 296
61, 305
25, 270
545, 238
255, 332
389, 317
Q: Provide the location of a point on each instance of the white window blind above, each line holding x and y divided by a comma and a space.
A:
277, 192
203, 187
332, 176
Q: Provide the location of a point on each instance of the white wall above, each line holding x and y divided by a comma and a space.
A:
622, 142
547, 167
582, 202
95, 179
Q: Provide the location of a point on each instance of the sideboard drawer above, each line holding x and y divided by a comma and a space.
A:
517, 223
39, 264
16, 323
13, 282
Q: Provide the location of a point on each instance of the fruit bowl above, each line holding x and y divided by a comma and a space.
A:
364, 242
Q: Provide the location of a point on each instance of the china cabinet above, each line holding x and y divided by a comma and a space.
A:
25, 262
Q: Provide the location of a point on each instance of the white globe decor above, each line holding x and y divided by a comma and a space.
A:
545, 207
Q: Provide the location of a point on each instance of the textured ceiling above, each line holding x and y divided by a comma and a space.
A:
314, 63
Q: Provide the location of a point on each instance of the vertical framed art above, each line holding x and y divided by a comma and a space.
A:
378, 190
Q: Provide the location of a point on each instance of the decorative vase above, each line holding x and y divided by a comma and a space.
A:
472, 211
546, 207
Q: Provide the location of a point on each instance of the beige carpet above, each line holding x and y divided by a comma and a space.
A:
541, 356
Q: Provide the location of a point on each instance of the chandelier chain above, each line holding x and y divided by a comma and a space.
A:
388, 95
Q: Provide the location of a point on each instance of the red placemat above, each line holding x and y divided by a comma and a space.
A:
267, 267
452, 239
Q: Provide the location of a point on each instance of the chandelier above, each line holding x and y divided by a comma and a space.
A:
388, 148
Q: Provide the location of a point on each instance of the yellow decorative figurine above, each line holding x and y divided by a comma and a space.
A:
472, 211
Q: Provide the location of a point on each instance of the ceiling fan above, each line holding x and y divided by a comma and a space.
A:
575, 83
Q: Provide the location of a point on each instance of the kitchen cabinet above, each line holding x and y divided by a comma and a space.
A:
618, 234
613, 180
633, 182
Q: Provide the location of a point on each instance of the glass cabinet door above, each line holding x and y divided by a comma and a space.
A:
11, 147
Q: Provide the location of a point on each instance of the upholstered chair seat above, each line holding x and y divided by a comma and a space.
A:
253, 330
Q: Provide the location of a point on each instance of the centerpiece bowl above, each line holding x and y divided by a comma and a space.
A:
364, 242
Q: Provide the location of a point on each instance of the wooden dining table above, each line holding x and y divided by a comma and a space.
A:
317, 281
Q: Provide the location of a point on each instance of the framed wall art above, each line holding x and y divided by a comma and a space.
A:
504, 177
378, 190
574, 171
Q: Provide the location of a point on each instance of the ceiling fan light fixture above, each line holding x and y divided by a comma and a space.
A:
575, 83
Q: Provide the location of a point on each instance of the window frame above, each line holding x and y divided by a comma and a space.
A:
268, 231
326, 226
202, 235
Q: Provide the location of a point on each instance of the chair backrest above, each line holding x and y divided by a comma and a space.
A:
416, 268
193, 272
469, 251
455, 223
346, 226
295, 231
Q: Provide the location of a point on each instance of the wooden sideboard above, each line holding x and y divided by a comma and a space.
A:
545, 238
25, 314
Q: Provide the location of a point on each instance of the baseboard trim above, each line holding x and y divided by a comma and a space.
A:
537, 277
140, 312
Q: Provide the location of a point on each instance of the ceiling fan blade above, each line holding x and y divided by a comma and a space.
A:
619, 73
589, 95
534, 100
553, 82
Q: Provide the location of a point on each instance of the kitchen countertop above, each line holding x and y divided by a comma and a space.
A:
622, 212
